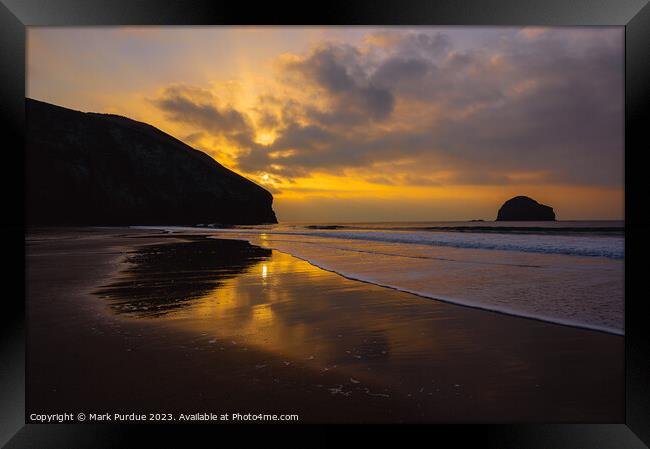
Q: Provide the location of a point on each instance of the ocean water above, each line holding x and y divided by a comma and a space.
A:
565, 272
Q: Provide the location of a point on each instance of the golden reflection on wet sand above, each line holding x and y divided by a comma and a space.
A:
387, 341
202, 324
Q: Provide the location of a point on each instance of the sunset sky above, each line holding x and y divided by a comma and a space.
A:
367, 124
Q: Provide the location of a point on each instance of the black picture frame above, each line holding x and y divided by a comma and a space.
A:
16, 15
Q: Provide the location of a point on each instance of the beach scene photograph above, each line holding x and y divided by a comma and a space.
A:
324, 224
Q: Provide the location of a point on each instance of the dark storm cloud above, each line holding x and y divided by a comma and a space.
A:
267, 119
297, 137
549, 104
545, 105
569, 124
340, 72
194, 106
458, 80
424, 45
254, 161
399, 69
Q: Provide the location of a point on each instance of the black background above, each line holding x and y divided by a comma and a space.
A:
15, 15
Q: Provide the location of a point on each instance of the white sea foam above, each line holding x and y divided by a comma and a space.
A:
612, 247
570, 280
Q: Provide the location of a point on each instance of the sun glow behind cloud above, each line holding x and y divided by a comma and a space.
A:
363, 123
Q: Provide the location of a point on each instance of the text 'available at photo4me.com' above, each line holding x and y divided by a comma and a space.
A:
211, 417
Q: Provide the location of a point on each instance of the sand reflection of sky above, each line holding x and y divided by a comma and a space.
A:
384, 341
163, 279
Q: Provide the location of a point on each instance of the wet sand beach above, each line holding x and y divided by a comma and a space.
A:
127, 320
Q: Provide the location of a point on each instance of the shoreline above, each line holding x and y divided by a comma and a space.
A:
270, 369
460, 303
504, 310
